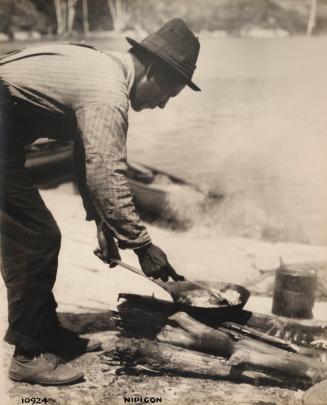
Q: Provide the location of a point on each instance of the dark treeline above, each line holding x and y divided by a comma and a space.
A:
68, 16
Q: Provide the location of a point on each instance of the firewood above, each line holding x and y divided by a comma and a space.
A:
142, 316
287, 364
261, 336
167, 358
183, 331
178, 337
139, 317
145, 356
201, 337
296, 331
273, 324
247, 352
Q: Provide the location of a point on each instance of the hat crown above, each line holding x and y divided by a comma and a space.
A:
179, 41
176, 45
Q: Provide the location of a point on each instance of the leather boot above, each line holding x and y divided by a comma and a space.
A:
44, 369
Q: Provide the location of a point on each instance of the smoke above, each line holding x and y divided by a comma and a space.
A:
235, 215
256, 134
184, 206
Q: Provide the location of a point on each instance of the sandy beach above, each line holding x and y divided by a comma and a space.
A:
86, 285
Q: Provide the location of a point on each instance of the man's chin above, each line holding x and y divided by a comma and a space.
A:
149, 107
137, 107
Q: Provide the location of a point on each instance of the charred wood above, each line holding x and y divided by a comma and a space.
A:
248, 353
300, 332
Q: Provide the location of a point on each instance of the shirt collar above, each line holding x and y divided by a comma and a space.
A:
126, 60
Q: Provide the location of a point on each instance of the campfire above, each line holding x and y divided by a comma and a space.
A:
157, 338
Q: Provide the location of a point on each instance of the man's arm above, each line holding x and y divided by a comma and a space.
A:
103, 132
80, 178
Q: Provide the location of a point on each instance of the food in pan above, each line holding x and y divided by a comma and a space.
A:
203, 298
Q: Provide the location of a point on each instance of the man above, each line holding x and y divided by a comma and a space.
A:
74, 92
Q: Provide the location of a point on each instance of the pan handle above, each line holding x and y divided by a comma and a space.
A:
129, 267
162, 283
139, 272
135, 270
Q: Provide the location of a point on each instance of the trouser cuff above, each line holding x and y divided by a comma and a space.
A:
25, 342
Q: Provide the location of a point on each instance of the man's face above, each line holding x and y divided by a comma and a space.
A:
155, 88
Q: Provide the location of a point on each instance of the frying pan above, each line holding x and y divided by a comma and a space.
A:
178, 289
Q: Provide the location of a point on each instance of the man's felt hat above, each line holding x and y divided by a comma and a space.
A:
175, 44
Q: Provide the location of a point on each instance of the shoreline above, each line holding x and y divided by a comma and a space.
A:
86, 286
252, 32
84, 283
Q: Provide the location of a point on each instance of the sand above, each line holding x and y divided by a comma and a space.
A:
85, 284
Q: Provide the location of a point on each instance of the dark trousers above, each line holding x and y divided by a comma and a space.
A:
30, 243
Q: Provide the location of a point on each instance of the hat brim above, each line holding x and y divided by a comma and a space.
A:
189, 82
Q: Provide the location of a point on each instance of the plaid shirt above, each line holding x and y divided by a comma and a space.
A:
78, 93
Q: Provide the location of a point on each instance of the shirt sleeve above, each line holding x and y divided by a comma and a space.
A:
80, 179
103, 131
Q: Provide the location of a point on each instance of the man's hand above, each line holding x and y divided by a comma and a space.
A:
107, 250
154, 263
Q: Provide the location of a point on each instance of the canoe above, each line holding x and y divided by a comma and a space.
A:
50, 163
154, 190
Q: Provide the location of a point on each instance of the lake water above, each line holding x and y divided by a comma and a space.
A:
256, 133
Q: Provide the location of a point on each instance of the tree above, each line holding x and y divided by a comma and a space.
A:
312, 21
65, 14
59, 16
86, 27
119, 14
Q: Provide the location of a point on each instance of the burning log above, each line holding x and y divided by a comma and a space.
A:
252, 350
194, 335
280, 364
135, 356
144, 354
294, 330
143, 316
137, 320
147, 317
249, 353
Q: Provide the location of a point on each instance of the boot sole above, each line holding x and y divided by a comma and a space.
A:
18, 378
94, 348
